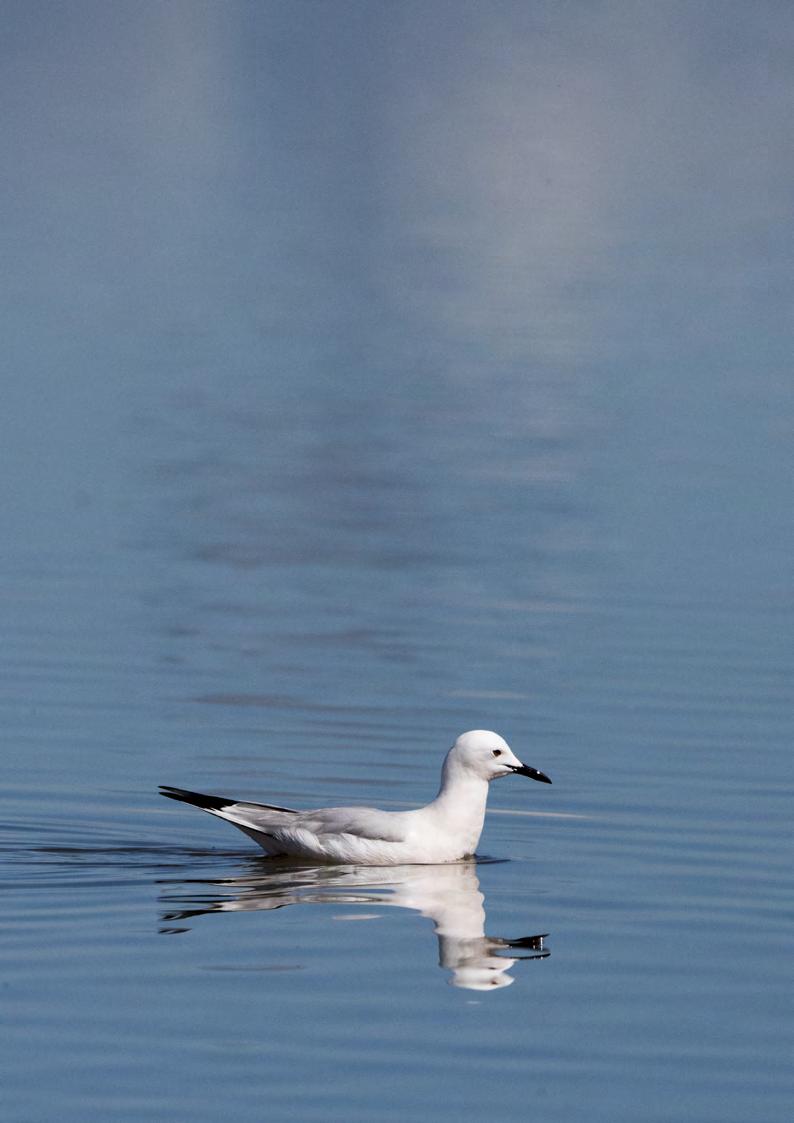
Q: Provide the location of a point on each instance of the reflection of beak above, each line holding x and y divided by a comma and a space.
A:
533, 773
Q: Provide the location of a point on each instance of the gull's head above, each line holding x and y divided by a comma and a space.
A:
489, 756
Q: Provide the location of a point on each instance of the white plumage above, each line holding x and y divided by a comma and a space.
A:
446, 830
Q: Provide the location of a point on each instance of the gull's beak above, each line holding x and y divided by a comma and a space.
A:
533, 773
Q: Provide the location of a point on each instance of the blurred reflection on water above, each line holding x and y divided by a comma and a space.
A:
448, 895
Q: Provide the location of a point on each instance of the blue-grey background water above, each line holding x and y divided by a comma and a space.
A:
375, 371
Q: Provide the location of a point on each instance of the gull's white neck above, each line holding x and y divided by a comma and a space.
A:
461, 799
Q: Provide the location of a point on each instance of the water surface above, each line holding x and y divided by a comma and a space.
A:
376, 372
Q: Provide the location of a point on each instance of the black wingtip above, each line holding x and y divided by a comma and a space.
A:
208, 802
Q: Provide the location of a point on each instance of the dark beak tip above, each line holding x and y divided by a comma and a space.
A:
532, 773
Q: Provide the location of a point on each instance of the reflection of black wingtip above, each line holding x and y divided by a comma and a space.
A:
184, 914
188, 914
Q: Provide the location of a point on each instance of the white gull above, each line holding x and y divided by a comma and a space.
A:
446, 830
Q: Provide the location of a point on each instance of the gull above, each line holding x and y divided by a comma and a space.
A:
446, 830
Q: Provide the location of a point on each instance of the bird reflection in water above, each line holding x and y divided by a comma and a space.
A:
448, 895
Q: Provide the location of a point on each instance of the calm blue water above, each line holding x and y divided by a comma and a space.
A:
374, 372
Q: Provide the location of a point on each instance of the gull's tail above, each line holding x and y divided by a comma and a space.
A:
254, 819
208, 802
218, 802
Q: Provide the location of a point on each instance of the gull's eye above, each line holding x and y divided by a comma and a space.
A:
497, 752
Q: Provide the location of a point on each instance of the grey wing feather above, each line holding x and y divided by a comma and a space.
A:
363, 822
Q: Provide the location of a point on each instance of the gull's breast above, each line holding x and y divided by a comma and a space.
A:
352, 849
